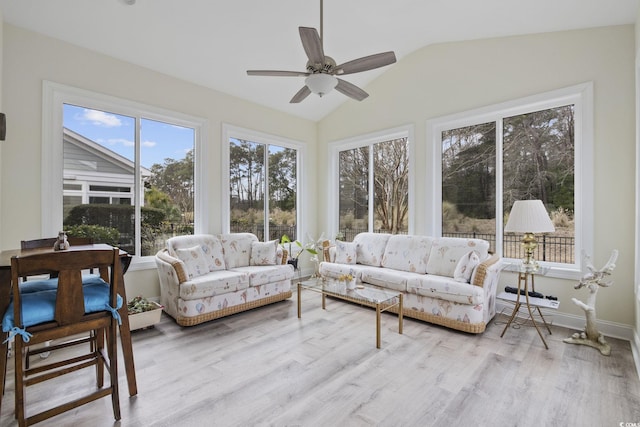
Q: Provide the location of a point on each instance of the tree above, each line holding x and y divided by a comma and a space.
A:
391, 184
282, 178
175, 179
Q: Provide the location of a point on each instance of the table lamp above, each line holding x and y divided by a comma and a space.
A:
529, 217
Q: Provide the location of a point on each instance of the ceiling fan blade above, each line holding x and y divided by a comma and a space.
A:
301, 95
366, 63
276, 73
312, 44
351, 90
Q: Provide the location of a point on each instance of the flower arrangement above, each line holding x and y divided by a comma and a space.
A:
345, 278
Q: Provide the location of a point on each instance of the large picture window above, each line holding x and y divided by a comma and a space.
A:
526, 150
128, 172
263, 184
373, 179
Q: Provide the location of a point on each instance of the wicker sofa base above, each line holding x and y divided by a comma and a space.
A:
195, 320
473, 328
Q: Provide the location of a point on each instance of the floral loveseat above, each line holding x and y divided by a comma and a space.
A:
204, 277
447, 281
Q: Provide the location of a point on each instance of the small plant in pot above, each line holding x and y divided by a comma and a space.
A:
143, 313
286, 242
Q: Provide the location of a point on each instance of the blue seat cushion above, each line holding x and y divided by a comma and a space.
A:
40, 306
52, 284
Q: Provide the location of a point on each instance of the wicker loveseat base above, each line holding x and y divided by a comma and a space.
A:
195, 320
472, 328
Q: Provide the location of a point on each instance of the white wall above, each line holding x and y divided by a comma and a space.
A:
454, 77
30, 58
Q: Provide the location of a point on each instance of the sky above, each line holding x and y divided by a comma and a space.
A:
117, 133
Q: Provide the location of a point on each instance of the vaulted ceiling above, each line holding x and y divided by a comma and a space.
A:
212, 42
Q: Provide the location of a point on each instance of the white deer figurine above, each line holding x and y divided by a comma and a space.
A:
593, 280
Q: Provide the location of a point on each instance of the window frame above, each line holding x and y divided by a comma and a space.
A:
55, 95
581, 96
231, 131
369, 140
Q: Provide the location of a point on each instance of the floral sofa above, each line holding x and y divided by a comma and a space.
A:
447, 281
204, 277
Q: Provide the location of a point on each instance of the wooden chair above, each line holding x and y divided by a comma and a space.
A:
66, 317
47, 242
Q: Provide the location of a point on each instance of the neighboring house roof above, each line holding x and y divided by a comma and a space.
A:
83, 154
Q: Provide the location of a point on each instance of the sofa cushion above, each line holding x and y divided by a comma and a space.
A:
387, 278
335, 270
407, 253
447, 251
370, 248
260, 275
210, 245
445, 288
214, 283
346, 252
237, 248
264, 253
194, 261
465, 267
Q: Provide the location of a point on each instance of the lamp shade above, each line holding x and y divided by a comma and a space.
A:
321, 83
529, 216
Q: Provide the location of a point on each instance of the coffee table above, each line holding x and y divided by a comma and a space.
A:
369, 296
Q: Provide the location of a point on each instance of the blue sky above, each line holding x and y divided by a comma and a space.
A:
117, 133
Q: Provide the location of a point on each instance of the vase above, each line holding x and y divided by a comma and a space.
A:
351, 284
293, 262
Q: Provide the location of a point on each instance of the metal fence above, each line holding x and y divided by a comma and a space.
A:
550, 248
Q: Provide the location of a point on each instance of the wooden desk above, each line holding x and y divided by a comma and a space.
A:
125, 333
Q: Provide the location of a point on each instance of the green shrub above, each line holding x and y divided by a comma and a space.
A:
98, 233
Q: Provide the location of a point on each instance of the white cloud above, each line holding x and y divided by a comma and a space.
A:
148, 143
100, 118
120, 141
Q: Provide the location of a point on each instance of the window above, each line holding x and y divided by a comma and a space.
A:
373, 180
530, 149
128, 174
263, 184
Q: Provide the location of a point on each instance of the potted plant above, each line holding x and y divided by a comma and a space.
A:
293, 260
143, 313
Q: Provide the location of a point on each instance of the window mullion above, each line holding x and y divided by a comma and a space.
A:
499, 186
138, 189
266, 192
371, 190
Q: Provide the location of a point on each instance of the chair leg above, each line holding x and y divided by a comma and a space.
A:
19, 380
97, 347
4, 353
112, 347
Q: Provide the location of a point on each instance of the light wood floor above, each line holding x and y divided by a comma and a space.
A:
266, 367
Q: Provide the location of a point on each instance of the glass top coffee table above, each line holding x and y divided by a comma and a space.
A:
380, 299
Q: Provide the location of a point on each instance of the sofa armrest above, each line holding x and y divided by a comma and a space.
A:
167, 261
486, 271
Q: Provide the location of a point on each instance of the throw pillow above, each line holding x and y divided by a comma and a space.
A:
264, 253
465, 267
346, 252
194, 260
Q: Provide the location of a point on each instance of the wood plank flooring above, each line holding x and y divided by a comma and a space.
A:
266, 367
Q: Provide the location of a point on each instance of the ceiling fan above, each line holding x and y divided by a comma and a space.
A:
322, 70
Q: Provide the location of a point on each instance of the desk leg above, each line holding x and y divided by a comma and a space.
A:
378, 325
299, 301
534, 322
400, 310
5, 294
125, 339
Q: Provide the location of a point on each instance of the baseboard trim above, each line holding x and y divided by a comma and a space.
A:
571, 321
635, 347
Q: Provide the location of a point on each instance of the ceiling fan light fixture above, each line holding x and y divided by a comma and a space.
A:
321, 83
